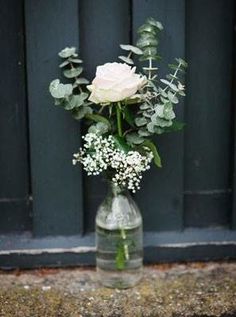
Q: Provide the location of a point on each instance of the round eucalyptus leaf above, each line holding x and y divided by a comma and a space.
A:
181, 62
161, 122
99, 128
159, 110
143, 132
147, 28
134, 138
82, 81
168, 112
81, 112
75, 101
145, 42
150, 51
126, 59
140, 121
74, 72
155, 23
67, 52
147, 114
131, 48
59, 90
150, 127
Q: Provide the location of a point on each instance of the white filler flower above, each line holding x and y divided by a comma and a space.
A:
115, 82
100, 154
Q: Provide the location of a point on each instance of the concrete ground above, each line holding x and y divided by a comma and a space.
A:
195, 289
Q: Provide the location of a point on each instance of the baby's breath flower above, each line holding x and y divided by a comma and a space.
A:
100, 153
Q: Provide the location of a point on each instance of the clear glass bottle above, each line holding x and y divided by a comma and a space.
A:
119, 240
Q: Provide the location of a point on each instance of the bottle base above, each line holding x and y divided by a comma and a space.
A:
120, 279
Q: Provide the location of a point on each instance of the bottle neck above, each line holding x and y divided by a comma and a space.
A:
116, 190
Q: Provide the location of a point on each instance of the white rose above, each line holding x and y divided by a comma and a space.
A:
115, 82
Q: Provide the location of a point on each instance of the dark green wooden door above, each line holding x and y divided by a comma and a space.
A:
47, 206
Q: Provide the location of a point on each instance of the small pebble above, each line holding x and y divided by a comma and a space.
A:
46, 288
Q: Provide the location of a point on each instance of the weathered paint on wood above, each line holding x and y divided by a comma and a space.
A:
14, 160
208, 113
233, 214
54, 135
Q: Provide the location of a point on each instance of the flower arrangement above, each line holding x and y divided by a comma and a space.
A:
124, 109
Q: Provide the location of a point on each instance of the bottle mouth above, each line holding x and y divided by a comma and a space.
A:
117, 189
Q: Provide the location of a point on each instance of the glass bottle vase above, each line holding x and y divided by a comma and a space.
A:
119, 240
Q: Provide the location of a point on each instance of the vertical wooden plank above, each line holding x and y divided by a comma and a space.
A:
161, 197
104, 25
208, 113
14, 178
54, 135
233, 216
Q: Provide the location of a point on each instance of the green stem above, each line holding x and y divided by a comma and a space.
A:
126, 248
118, 118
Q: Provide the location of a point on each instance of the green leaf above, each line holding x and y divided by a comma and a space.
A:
164, 100
120, 256
149, 144
176, 126
151, 127
75, 101
152, 57
59, 90
148, 41
171, 85
98, 118
181, 93
128, 116
126, 59
143, 132
182, 62
133, 99
171, 76
74, 72
134, 138
147, 114
172, 97
149, 51
168, 112
162, 92
98, 128
75, 60
81, 112
140, 121
65, 63
144, 106
121, 143
147, 28
155, 23
131, 48
160, 122
82, 81
67, 52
